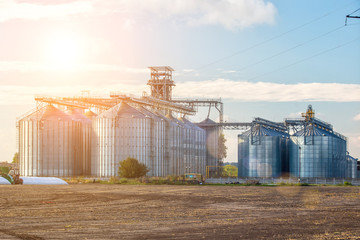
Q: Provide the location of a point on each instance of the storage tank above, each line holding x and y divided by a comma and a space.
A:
172, 145
213, 162
188, 143
49, 141
179, 146
158, 167
262, 152
122, 132
352, 167
198, 158
84, 165
317, 153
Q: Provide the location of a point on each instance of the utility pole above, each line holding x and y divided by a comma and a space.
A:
351, 16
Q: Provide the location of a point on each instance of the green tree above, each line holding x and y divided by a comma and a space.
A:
222, 150
131, 168
230, 171
15, 158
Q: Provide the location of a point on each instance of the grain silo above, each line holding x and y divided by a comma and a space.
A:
49, 141
316, 151
122, 132
198, 156
157, 164
179, 146
352, 167
213, 162
83, 167
262, 150
172, 145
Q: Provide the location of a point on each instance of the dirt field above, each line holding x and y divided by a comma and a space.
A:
95, 211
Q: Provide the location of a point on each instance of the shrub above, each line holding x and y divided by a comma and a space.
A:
347, 184
252, 182
304, 184
131, 168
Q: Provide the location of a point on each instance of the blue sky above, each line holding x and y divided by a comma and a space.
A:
264, 58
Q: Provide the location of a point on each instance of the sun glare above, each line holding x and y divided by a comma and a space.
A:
63, 53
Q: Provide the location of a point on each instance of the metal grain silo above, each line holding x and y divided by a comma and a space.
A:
49, 143
83, 167
198, 148
172, 139
157, 165
122, 132
352, 167
178, 134
262, 151
317, 152
213, 162
188, 143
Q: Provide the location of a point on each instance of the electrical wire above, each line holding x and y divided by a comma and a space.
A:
354, 11
305, 59
268, 40
292, 48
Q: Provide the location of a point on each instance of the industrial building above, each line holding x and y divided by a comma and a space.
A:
301, 148
88, 136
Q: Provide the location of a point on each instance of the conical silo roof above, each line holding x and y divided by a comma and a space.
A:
184, 123
149, 113
90, 114
122, 110
49, 112
208, 121
77, 115
264, 131
193, 125
175, 120
313, 131
166, 119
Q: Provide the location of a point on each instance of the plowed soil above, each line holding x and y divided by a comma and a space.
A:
97, 211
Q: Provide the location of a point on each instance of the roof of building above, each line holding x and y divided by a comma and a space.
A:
264, 131
311, 130
208, 121
122, 110
77, 115
49, 112
90, 114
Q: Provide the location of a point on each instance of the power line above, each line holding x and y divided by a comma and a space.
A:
292, 48
305, 59
270, 39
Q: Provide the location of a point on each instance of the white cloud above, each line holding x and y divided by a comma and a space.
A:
231, 14
294, 115
270, 92
357, 117
10, 9
226, 89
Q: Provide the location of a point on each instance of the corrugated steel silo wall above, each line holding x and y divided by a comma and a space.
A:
243, 156
86, 145
120, 138
49, 148
196, 147
265, 157
354, 168
212, 149
321, 157
201, 151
